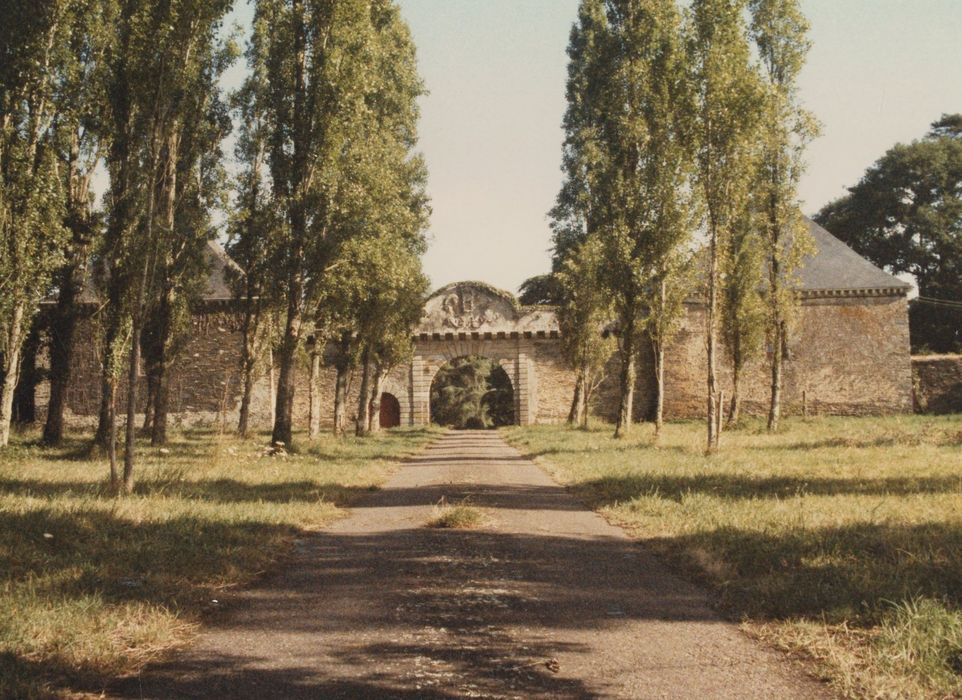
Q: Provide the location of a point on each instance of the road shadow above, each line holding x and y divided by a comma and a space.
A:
464, 607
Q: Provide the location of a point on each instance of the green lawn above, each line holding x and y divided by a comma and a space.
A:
93, 586
839, 538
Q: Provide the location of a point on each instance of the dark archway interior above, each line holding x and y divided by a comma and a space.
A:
389, 411
472, 392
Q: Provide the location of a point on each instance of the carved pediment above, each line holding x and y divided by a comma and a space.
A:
475, 307
468, 307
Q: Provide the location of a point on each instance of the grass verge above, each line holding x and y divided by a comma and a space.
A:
837, 537
459, 516
92, 587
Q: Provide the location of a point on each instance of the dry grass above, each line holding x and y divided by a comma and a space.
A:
459, 516
837, 537
92, 586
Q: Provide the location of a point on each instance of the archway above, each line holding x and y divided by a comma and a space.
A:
389, 411
472, 392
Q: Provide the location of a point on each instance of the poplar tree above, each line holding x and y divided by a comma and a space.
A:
727, 91
779, 30
191, 185
158, 53
743, 318
583, 315
318, 64
646, 138
33, 43
578, 215
254, 221
80, 138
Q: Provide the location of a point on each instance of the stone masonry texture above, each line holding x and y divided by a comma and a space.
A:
848, 355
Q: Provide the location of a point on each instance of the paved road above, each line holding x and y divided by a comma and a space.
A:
546, 601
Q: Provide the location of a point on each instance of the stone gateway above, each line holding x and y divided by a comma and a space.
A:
848, 355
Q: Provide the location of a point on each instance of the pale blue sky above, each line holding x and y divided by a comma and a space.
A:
879, 72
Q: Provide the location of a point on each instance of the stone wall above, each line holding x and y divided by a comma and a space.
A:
205, 384
938, 383
556, 381
849, 355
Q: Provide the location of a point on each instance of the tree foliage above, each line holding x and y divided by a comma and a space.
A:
340, 105
626, 159
34, 52
779, 30
583, 318
728, 94
472, 392
905, 215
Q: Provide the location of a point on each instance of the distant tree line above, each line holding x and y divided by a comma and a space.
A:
682, 156
327, 215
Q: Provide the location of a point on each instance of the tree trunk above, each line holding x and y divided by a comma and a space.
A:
243, 420
340, 398
284, 411
157, 399
658, 350
374, 405
158, 434
577, 401
102, 434
314, 389
342, 366
249, 331
586, 393
364, 398
734, 407
25, 395
711, 340
130, 430
11, 370
775, 407
63, 328
110, 427
151, 387
627, 381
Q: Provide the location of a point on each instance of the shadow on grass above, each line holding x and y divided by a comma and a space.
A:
836, 574
609, 491
208, 490
392, 585
88, 557
169, 561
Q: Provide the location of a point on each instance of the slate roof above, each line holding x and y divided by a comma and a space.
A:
223, 271
836, 267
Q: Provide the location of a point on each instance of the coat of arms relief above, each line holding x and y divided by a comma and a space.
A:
464, 309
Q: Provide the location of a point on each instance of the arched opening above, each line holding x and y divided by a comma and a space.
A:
390, 411
472, 392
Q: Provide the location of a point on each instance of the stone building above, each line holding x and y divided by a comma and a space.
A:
848, 355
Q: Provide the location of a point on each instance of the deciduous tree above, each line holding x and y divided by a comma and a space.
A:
583, 317
159, 51
728, 92
33, 47
779, 30
905, 215
81, 138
